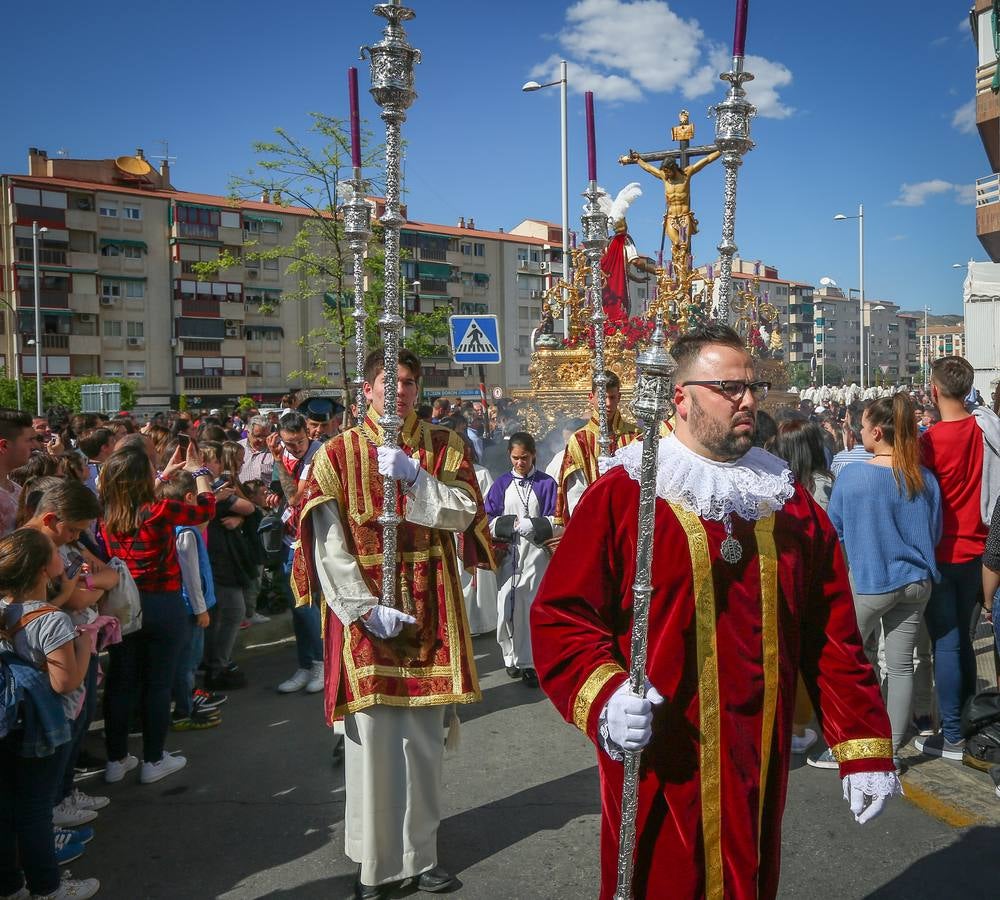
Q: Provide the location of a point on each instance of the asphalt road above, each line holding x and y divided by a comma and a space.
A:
258, 812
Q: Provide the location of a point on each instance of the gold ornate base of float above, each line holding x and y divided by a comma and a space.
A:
561, 378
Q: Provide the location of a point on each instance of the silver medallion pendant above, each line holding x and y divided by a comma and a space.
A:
731, 549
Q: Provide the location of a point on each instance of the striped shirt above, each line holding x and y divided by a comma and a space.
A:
257, 464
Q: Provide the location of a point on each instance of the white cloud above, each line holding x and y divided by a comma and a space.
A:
919, 193
621, 49
898, 237
964, 118
965, 194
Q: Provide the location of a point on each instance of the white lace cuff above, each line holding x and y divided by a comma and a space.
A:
877, 785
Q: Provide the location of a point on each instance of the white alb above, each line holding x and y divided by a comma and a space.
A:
751, 487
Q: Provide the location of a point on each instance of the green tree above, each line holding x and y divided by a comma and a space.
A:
308, 174
64, 392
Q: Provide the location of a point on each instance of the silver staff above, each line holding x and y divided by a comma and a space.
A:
392, 62
357, 229
732, 137
651, 406
595, 240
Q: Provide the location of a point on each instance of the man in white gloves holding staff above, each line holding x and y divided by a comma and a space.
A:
749, 589
392, 671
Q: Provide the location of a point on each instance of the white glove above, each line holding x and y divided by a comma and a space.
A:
385, 622
397, 465
525, 528
630, 718
868, 791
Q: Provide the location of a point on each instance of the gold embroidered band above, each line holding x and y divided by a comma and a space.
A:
591, 688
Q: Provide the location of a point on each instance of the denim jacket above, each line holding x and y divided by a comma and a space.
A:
29, 703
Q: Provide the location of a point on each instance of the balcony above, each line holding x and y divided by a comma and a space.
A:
526, 265
196, 345
84, 345
203, 383
84, 303
76, 259
55, 341
81, 219
988, 214
988, 113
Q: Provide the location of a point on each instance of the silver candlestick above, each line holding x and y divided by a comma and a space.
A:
392, 62
732, 137
651, 406
357, 230
595, 240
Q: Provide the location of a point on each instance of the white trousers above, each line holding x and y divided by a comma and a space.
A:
393, 758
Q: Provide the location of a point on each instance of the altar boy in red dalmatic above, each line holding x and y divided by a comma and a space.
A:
749, 591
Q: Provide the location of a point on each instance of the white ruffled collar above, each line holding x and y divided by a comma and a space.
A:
753, 486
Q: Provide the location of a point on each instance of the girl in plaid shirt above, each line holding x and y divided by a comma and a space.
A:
139, 528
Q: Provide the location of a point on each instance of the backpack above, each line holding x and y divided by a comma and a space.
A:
271, 532
981, 730
10, 697
123, 600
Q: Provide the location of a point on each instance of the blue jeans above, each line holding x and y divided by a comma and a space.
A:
949, 615
80, 727
305, 621
145, 662
27, 786
187, 665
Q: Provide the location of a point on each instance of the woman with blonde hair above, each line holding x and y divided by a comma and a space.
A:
887, 512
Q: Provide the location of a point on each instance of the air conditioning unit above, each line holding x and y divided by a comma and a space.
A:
136, 341
232, 323
107, 301
253, 273
86, 317
543, 267
232, 332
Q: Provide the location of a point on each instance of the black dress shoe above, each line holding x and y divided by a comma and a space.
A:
436, 881
371, 891
529, 677
513, 672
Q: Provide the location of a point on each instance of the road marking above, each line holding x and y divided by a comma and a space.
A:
948, 813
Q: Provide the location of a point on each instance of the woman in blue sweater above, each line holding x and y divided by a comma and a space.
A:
887, 512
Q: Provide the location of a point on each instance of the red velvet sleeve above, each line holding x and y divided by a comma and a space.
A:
573, 617
838, 676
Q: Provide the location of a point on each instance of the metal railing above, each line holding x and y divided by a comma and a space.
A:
984, 77
988, 189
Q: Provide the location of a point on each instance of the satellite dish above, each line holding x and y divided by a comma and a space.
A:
828, 282
133, 165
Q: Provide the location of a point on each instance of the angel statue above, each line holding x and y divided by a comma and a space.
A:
621, 260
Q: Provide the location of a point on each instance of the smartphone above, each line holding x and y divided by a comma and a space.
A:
73, 569
220, 482
182, 441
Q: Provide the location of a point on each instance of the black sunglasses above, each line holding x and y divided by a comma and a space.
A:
735, 390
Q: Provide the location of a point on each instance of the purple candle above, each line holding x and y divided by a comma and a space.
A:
710, 271
352, 89
740, 33
588, 98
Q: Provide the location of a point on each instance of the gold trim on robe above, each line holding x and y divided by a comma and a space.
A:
589, 691
767, 552
862, 748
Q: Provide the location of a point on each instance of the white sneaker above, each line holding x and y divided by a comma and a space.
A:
316, 679
168, 764
298, 681
85, 801
66, 815
72, 889
801, 744
114, 770
259, 619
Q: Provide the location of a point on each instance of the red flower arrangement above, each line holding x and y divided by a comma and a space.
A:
636, 331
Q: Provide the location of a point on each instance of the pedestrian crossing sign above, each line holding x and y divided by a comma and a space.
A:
474, 339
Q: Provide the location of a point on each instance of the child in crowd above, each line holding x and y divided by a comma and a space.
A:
48, 660
66, 511
193, 709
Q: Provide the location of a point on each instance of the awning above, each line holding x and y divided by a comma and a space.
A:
121, 242
57, 270
122, 277
199, 206
434, 270
277, 222
267, 290
480, 278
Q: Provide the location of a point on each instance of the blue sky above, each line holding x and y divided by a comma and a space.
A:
861, 101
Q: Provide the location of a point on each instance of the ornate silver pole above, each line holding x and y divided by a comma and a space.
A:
651, 405
357, 229
732, 137
392, 62
595, 240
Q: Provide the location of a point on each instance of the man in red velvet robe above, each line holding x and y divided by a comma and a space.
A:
749, 590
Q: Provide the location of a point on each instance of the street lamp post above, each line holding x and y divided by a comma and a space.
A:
567, 264
35, 232
840, 217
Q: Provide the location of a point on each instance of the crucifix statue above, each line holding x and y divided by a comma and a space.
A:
675, 171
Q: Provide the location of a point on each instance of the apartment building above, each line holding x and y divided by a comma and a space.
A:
982, 286
120, 295
941, 340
